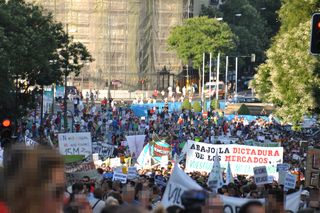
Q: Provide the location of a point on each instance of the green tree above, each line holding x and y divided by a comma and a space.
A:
196, 106
214, 104
200, 35
32, 53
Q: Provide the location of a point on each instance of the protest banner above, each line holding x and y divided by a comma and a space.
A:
75, 143
118, 176
200, 157
178, 183
30, 142
289, 182
264, 144
229, 175
164, 161
161, 148
132, 172
79, 166
77, 176
283, 167
135, 143
104, 150
260, 175
233, 204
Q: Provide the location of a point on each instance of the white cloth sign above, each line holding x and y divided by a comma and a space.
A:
177, 184
233, 204
260, 175
200, 157
135, 143
164, 161
117, 176
289, 181
75, 143
132, 172
30, 142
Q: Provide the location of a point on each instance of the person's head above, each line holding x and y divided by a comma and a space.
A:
111, 201
252, 207
97, 193
35, 179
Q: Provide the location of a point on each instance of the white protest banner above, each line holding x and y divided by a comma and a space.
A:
75, 143
289, 182
260, 175
30, 142
135, 143
144, 159
76, 176
283, 167
177, 184
132, 172
200, 157
233, 204
117, 176
293, 201
104, 150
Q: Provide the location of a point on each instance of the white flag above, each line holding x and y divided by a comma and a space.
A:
229, 176
215, 180
178, 183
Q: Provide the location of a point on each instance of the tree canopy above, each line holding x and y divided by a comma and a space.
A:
290, 78
200, 35
33, 52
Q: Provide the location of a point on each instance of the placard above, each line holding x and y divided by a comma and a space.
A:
132, 172
75, 143
200, 157
117, 176
260, 175
104, 150
283, 167
290, 182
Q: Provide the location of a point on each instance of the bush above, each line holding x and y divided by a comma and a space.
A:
214, 105
243, 110
197, 107
186, 105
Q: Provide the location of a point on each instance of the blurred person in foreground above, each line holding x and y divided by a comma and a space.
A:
34, 179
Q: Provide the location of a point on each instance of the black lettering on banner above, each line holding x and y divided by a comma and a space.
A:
227, 209
174, 194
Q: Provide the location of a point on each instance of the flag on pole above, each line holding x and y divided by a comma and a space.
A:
215, 180
229, 176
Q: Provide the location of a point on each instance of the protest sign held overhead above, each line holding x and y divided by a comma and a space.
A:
289, 181
215, 180
132, 172
75, 143
119, 176
102, 149
135, 143
260, 175
178, 183
30, 142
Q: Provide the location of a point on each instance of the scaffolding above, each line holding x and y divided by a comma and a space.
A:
127, 39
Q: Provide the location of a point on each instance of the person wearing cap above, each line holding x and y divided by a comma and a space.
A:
304, 199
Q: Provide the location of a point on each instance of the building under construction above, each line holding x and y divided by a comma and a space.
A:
127, 39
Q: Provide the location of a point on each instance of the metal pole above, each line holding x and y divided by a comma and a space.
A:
52, 107
41, 107
226, 80
65, 86
210, 67
202, 91
217, 79
109, 49
236, 80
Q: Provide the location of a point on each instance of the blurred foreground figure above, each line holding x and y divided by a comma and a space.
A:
34, 180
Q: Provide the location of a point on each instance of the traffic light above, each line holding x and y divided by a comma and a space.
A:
6, 132
315, 34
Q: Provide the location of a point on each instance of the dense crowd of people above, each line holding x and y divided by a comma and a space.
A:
109, 123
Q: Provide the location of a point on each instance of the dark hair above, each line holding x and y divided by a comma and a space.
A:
174, 209
244, 208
